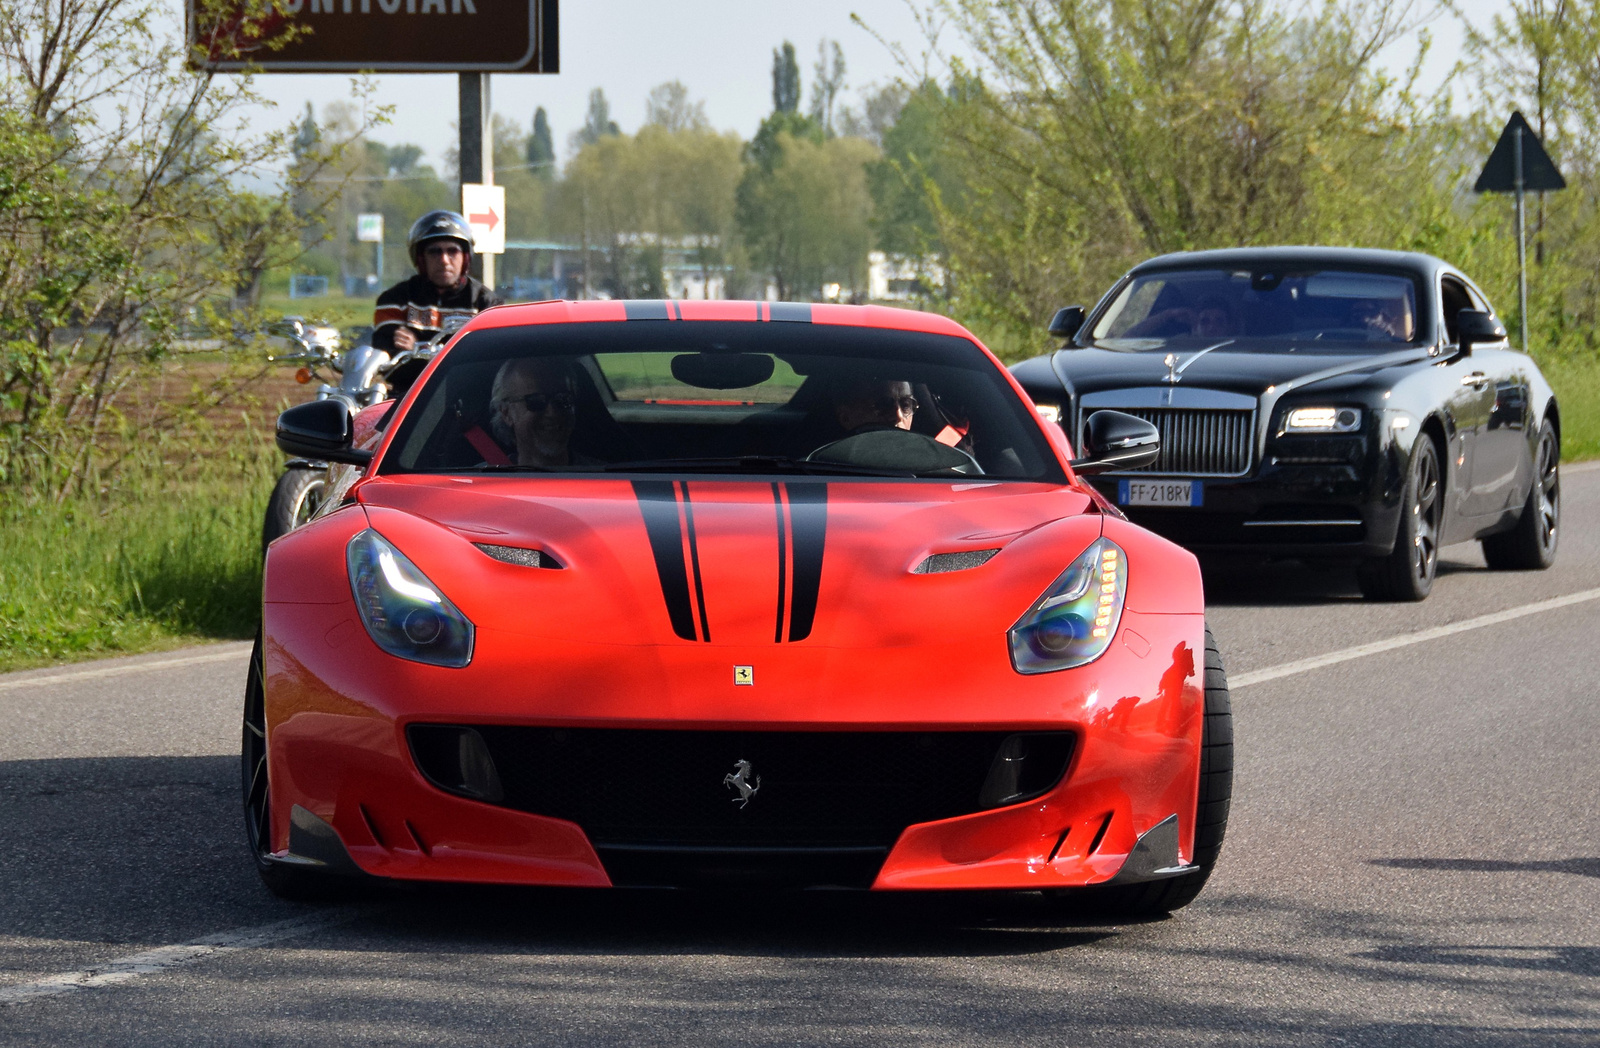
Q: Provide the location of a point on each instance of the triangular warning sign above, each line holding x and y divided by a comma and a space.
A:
1500, 171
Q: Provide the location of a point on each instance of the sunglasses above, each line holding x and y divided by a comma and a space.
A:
537, 403
904, 405
441, 250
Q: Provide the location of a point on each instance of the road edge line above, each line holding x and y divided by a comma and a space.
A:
117, 671
1333, 658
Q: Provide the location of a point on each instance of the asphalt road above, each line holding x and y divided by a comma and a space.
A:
1413, 859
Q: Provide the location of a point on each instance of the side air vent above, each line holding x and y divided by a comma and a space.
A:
942, 562
528, 558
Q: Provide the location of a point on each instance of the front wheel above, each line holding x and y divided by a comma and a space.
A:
286, 882
295, 499
1407, 573
1215, 797
1531, 545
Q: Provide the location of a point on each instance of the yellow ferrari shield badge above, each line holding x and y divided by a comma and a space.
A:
744, 675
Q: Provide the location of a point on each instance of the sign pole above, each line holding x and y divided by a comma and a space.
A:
477, 151
1520, 184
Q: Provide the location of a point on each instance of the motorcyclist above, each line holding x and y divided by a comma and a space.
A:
440, 244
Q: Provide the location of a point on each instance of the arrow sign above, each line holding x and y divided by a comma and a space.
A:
485, 208
1539, 172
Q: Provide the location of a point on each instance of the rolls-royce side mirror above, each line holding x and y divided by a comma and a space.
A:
320, 429
1066, 322
1474, 326
1116, 440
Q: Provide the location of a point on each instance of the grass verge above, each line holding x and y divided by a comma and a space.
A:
1577, 386
157, 562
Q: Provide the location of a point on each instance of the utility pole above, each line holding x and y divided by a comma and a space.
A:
476, 152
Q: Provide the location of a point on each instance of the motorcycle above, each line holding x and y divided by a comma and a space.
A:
365, 376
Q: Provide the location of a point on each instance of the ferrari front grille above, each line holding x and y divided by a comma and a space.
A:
1199, 442
748, 789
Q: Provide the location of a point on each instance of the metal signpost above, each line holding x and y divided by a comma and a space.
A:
472, 38
1517, 164
369, 229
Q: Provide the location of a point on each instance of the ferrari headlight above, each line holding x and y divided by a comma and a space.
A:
404, 613
1073, 623
1322, 420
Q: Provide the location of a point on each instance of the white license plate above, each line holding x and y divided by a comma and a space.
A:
1160, 493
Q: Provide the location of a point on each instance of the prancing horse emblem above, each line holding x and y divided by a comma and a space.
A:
739, 779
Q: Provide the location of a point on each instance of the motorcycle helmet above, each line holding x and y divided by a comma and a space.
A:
438, 225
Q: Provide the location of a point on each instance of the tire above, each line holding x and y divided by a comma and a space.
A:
1531, 545
286, 882
295, 498
1407, 574
1155, 898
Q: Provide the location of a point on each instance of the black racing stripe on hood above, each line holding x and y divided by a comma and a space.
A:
658, 503
808, 516
645, 309
783, 561
694, 560
793, 312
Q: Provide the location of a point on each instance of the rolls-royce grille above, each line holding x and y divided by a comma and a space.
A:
1202, 442
806, 789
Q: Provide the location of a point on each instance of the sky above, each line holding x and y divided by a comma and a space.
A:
720, 49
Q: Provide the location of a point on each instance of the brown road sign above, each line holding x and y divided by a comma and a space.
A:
389, 36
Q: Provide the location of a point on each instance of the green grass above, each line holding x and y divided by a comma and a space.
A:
333, 309
1577, 386
152, 564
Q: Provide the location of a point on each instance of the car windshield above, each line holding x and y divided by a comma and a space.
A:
1336, 306
720, 397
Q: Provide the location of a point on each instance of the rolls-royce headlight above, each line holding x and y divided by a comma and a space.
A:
405, 614
1074, 621
1322, 420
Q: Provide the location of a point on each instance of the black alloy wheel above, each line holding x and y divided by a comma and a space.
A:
1531, 544
295, 499
1407, 574
1215, 797
286, 882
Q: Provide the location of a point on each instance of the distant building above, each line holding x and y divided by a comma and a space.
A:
901, 278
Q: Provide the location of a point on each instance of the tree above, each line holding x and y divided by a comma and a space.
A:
1103, 131
806, 219
913, 173
668, 106
541, 150
785, 80
125, 230
826, 84
598, 123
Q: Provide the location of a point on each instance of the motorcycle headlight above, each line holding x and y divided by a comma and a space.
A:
1074, 621
405, 614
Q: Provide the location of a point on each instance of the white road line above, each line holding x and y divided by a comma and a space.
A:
233, 652
165, 958
1289, 669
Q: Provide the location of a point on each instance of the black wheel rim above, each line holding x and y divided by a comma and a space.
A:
1547, 491
1426, 511
253, 761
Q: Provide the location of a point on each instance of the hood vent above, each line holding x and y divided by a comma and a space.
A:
942, 562
527, 558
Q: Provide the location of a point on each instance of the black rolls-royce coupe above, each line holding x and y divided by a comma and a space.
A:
1320, 403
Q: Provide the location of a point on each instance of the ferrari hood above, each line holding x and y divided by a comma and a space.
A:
733, 562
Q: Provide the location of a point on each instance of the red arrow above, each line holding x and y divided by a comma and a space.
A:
487, 218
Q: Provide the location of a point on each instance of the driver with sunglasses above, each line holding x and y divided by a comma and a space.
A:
415, 309
875, 404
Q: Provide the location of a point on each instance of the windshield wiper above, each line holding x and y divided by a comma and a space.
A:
507, 467
753, 464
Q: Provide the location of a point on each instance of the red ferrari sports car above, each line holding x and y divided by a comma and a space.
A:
730, 593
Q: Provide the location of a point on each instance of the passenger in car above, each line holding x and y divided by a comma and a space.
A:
1384, 318
533, 405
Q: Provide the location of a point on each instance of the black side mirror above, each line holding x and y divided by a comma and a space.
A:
320, 430
1474, 326
1066, 322
1115, 440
